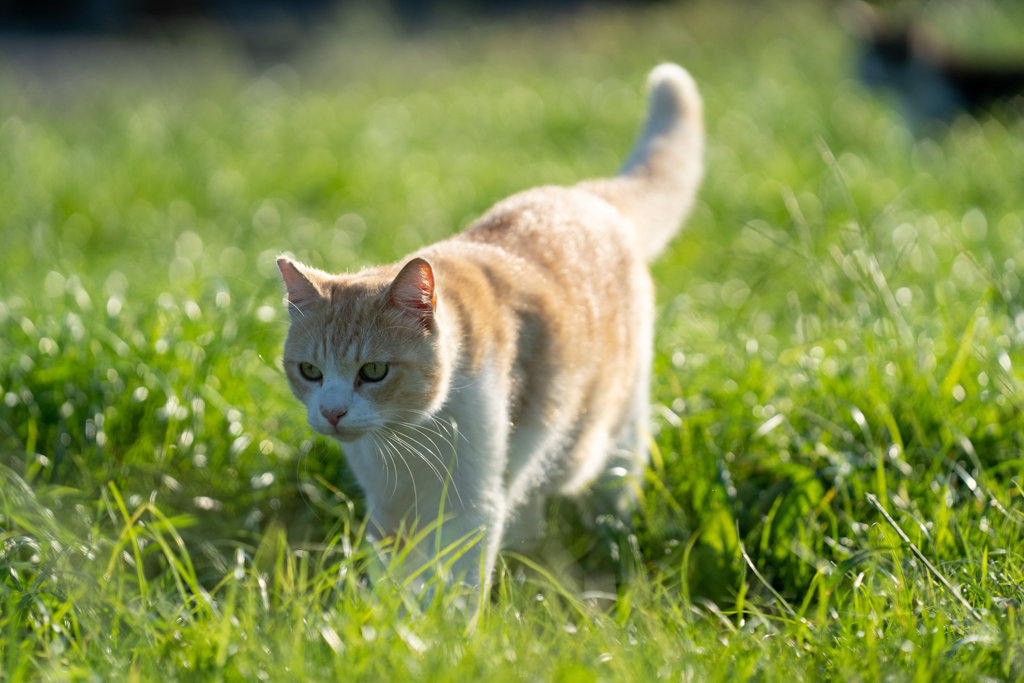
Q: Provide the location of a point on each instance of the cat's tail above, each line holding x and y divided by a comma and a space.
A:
658, 183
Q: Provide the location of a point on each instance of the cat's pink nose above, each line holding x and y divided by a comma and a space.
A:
333, 415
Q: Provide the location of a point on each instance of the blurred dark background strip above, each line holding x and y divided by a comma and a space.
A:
133, 16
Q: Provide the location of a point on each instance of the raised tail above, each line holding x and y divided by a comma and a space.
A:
657, 184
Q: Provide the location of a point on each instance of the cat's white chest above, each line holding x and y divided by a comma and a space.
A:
456, 452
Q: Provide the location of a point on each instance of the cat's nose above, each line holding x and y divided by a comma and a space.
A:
333, 415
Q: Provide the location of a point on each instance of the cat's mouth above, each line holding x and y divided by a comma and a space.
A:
344, 432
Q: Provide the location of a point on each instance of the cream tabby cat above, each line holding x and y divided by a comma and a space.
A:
531, 332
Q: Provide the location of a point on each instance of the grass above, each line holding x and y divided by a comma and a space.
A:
835, 489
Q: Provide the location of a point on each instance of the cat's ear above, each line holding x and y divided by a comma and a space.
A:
302, 294
413, 291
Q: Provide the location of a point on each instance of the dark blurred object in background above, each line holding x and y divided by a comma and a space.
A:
128, 16
932, 81
125, 16
269, 31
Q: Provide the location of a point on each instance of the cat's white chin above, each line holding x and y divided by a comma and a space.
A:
344, 434
348, 435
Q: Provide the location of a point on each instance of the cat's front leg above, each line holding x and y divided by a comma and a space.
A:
476, 414
450, 465
475, 506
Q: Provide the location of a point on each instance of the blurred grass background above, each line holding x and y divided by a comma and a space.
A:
841, 317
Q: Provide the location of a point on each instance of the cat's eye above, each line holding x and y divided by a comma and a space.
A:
373, 372
310, 372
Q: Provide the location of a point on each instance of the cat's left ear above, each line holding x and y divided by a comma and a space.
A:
413, 291
302, 294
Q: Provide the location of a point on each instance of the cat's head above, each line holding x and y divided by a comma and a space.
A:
364, 350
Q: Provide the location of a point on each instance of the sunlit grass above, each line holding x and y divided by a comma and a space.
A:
840, 319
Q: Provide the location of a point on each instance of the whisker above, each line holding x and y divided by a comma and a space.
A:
408, 442
383, 459
426, 432
449, 427
413, 450
415, 494
391, 450
440, 422
424, 428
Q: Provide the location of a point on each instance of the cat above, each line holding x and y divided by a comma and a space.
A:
933, 82
510, 362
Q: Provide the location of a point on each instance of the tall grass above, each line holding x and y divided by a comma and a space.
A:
835, 475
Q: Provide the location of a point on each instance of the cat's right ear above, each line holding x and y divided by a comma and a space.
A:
302, 294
